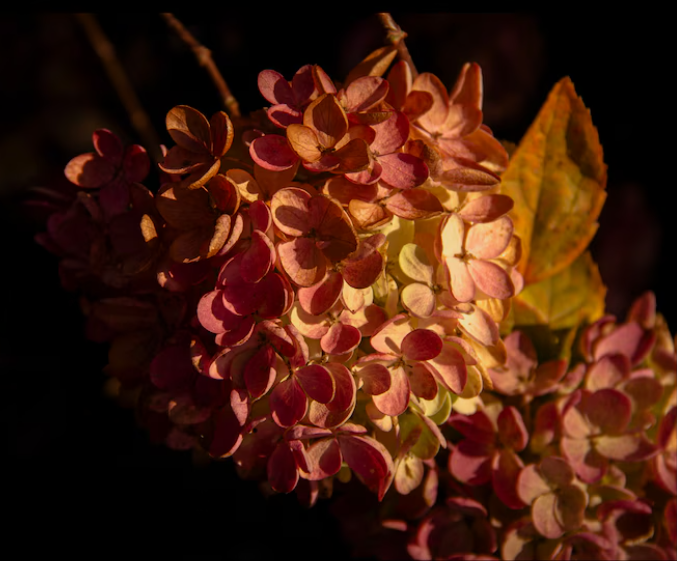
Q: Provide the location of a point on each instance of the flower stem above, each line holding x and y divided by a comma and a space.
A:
396, 37
204, 58
137, 115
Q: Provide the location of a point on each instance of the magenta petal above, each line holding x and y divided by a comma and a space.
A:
108, 145
274, 87
470, 462
421, 344
324, 458
272, 152
316, 382
344, 382
283, 115
172, 368
224, 434
506, 466
511, 429
340, 339
136, 163
282, 472
259, 373
288, 403
369, 460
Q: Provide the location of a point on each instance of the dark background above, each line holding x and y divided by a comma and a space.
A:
69, 445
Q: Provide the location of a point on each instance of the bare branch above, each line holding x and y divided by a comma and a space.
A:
137, 115
204, 58
396, 37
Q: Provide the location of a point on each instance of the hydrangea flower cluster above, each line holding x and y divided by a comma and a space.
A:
335, 286
310, 286
562, 460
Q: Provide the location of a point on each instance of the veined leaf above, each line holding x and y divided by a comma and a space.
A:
557, 179
565, 299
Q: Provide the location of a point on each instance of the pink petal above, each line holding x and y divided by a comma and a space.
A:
388, 338
422, 381
403, 171
283, 115
414, 204
627, 447
450, 368
461, 283
544, 517
488, 240
340, 339
258, 259
324, 458
365, 92
272, 152
491, 279
302, 261
395, 400
589, 465
608, 409
344, 396
274, 87
470, 462
421, 344
505, 469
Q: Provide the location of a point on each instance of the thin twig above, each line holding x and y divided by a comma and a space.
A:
138, 117
396, 37
204, 57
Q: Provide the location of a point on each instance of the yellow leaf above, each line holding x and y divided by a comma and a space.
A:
564, 300
557, 179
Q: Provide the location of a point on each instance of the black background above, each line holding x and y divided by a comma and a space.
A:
77, 465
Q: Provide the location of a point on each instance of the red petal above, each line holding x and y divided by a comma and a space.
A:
258, 259
259, 373
272, 152
395, 400
136, 163
274, 87
375, 377
506, 466
321, 297
282, 472
288, 403
511, 429
421, 344
369, 460
316, 382
340, 339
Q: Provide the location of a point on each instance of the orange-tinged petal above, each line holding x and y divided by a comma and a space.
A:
468, 89
433, 120
418, 299
290, 210
302, 261
353, 156
189, 129
461, 283
374, 64
327, 118
389, 336
304, 142
222, 133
